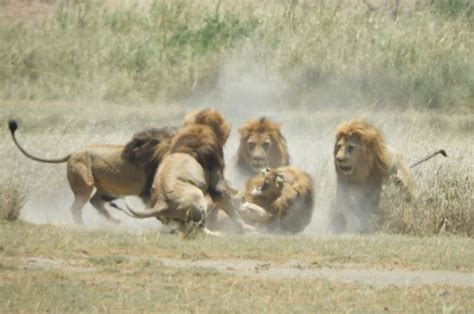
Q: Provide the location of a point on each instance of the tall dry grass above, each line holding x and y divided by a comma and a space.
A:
327, 52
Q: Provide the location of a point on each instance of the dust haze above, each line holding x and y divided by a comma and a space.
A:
244, 89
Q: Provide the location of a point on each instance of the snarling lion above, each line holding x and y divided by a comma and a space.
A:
190, 173
363, 161
262, 145
279, 200
114, 170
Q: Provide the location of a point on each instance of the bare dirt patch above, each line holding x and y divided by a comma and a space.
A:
294, 269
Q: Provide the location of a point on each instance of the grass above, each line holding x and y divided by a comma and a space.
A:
48, 268
12, 199
108, 247
170, 50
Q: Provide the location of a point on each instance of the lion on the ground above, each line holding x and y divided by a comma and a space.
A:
279, 200
192, 175
261, 145
363, 161
114, 170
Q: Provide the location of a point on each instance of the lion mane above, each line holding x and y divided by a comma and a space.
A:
261, 145
113, 170
146, 149
285, 194
375, 150
192, 171
363, 162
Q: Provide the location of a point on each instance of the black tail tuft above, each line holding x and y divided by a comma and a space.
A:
443, 152
12, 125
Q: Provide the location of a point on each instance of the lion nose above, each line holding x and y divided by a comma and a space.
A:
258, 158
339, 159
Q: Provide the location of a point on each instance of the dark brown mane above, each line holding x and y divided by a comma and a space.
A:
146, 149
200, 142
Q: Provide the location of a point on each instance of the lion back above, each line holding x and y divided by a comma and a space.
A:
300, 210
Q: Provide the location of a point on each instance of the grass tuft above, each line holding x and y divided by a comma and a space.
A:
12, 199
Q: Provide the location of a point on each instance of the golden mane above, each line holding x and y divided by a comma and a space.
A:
373, 140
263, 125
210, 118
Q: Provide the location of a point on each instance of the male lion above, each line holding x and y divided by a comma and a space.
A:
262, 145
193, 169
114, 170
285, 194
363, 161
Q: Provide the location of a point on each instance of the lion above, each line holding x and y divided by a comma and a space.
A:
113, 170
262, 145
363, 162
279, 200
191, 174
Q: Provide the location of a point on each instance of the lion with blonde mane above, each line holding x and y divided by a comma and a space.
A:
113, 170
279, 200
363, 162
261, 145
191, 176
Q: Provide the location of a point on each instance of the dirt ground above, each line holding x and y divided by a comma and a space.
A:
294, 269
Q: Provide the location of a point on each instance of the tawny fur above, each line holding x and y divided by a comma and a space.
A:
363, 161
286, 193
262, 145
192, 171
104, 168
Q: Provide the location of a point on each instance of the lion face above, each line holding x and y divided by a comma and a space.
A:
359, 151
351, 158
270, 183
262, 145
259, 148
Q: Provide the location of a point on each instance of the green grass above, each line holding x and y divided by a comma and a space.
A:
326, 53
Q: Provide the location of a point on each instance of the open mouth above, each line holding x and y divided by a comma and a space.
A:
258, 190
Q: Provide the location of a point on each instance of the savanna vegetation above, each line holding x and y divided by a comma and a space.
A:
78, 72
399, 53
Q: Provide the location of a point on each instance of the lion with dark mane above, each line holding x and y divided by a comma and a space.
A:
363, 161
279, 200
192, 171
114, 170
262, 145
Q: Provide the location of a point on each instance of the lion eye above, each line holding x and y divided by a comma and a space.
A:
266, 145
350, 148
251, 145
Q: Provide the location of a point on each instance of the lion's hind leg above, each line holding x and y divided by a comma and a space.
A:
405, 177
98, 201
81, 182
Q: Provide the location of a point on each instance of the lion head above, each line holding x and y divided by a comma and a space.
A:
262, 145
267, 185
203, 136
360, 152
211, 118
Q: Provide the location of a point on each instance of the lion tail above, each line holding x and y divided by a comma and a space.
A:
13, 126
441, 151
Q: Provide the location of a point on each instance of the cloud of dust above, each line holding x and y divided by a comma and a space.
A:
246, 89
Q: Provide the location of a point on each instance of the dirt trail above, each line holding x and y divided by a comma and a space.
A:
296, 269
292, 270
